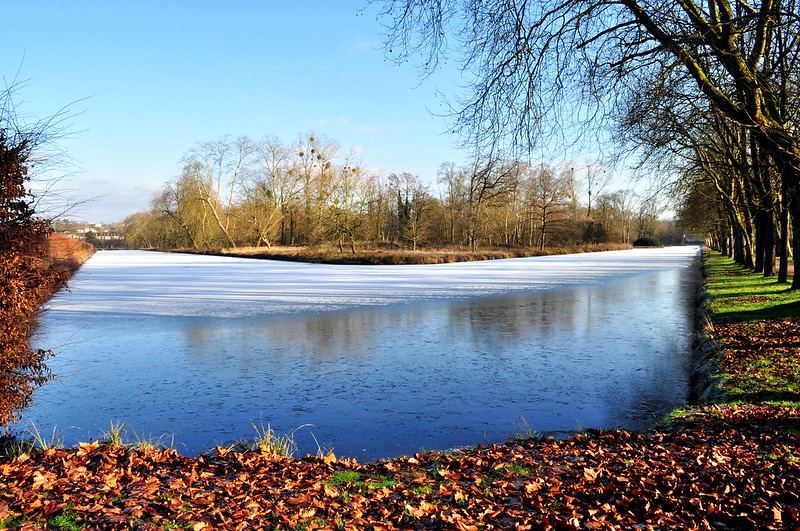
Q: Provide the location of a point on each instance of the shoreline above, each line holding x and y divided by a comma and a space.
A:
704, 380
713, 465
395, 256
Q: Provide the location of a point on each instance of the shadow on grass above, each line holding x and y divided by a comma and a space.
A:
789, 310
762, 418
765, 295
762, 397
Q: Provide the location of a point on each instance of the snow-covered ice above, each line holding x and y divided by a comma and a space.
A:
145, 283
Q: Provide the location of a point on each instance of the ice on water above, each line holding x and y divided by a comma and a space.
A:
186, 285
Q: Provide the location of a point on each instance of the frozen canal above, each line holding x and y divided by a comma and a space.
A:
379, 360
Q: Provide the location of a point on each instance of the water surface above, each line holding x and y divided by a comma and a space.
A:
441, 361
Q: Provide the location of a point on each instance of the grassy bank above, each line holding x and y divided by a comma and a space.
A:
733, 465
375, 255
757, 323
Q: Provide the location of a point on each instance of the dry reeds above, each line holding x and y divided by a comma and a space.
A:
379, 255
67, 253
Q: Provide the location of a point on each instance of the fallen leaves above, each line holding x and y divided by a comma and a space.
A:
724, 467
760, 359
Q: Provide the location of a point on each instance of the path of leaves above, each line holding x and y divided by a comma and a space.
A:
723, 468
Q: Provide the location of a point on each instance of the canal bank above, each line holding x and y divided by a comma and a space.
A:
704, 381
715, 467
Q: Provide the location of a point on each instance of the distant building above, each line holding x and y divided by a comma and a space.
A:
100, 235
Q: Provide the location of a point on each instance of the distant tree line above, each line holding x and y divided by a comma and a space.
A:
237, 192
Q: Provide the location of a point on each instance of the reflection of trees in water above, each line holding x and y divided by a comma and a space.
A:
581, 354
667, 351
492, 321
487, 322
516, 317
320, 337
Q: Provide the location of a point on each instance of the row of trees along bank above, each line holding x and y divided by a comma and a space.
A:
706, 93
234, 192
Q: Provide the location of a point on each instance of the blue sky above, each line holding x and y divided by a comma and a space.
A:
146, 80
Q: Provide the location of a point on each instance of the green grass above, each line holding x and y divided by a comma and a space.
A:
11, 447
739, 295
346, 477
754, 317
42, 442
517, 470
12, 522
169, 524
267, 439
65, 521
422, 490
757, 325
34, 440
381, 482
115, 436
522, 431
143, 442
310, 524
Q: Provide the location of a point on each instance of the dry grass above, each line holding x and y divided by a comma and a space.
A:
375, 255
68, 253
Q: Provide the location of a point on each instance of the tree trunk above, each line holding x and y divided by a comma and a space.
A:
796, 250
722, 241
760, 243
783, 245
795, 215
769, 245
737, 244
789, 164
221, 226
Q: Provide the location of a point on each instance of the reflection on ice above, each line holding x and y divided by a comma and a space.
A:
199, 347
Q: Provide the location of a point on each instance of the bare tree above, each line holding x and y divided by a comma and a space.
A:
646, 219
547, 195
217, 168
269, 190
377, 201
411, 202
345, 204
623, 202
597, 178
179, 201
452, 184
313, 166
488, 181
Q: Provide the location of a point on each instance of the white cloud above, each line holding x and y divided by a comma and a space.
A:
104, 201
369, 129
